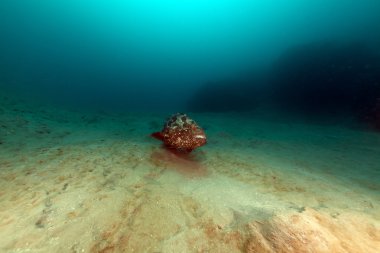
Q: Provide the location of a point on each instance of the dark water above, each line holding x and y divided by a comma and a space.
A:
194, 55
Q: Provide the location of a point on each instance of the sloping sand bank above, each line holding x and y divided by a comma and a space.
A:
74, 182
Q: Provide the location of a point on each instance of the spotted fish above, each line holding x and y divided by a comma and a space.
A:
181, 133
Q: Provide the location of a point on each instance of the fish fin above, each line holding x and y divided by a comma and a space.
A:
158, 135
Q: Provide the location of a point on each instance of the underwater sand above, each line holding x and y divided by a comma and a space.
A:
74, 182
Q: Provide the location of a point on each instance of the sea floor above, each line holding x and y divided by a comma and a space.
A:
75, 182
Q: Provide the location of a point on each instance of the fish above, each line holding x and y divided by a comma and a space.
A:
181, 133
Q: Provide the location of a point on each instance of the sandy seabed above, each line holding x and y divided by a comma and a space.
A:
75, 182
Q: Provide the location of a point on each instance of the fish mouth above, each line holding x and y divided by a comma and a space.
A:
200, 140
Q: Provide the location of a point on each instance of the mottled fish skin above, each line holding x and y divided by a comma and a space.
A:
181, 133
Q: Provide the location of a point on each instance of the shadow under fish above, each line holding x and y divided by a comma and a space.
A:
189, 165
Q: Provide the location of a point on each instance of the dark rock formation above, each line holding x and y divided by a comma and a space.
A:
374, 115
328, 80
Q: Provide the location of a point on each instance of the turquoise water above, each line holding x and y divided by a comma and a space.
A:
154, 55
